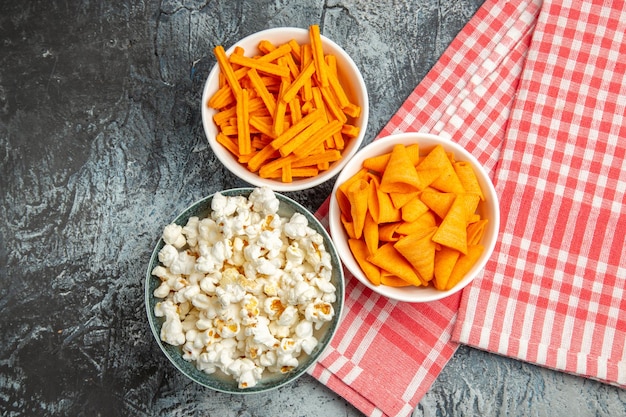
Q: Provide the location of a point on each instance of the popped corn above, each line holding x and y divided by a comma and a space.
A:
243, 289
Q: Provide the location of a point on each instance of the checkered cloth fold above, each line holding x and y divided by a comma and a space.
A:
536, 91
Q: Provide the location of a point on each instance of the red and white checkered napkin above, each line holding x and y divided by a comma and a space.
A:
554, 293
537, 94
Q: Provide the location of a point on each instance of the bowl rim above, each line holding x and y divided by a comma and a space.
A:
412, 294
188, 368
300, 184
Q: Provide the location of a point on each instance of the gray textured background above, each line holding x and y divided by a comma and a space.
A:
101, 145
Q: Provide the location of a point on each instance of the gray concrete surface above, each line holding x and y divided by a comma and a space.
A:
101, 144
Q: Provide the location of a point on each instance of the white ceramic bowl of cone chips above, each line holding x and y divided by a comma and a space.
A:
414, 217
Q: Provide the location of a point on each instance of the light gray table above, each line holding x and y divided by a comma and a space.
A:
101, 144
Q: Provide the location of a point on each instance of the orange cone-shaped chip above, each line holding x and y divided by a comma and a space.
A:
424, 222
379, 163
357, 196
437, 201
467, 176
380, 205
445, 259
464, 264
348, 226
448, 181
342, 192
452, 231
370, 233
475, 231
400, 175
388, 232
413, 209
400, 199
360, 252
393, 280
471, 204
389, 259
419, 250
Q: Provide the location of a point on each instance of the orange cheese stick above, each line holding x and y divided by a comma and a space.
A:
330, 155
332, 105
238, 50
306, 58
262, 126
318, 101
286, 174
225, 115
318, 55
226, 142
263, 66
265, 47
279, 112
222, 98
304, 172
350, 131
295, 173
299, 82
254, 164
293, 67
287, 78
318, 139
352, 110
260, 141
275, 165
331, 63
296, 128
307, 107
302, 137
243, 124
335, 85
295, 50
273, 52
339, 142
222, 117
241, 72
261, 89
230, 130
243, 159
296, 110
227, 69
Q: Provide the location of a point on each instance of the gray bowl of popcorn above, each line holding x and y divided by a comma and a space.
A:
244, 290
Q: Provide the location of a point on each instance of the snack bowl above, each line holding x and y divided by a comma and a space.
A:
218, 380
349, 77
487, 209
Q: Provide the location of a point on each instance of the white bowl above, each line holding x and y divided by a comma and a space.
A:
349, 76
219, 381
489, 209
